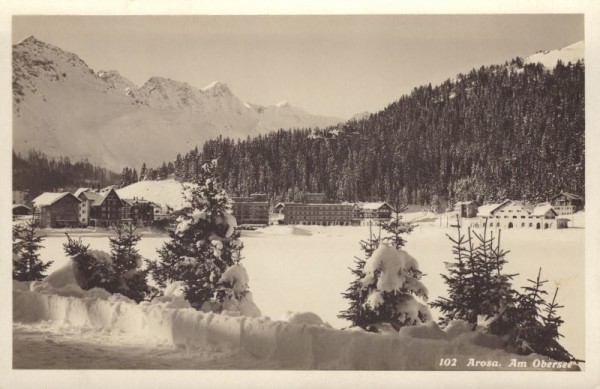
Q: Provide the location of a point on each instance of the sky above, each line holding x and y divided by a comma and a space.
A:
330, 65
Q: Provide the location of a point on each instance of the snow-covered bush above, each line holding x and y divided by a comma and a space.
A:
27, 265
203, 245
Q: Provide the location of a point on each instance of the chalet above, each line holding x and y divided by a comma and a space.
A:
566, 203
466, 209
56, 210
21, 210
317, 214
100, 209
365, 213
251, 210
137, 211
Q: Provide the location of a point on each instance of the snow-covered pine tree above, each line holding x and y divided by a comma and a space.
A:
27, 265
202, 245
392, 281
130, 279
358, 314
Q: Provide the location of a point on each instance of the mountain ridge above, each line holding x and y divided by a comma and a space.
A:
57, 97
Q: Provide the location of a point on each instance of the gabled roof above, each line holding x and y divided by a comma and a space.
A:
49, 198
568, 195
542, 209
81, 190
374, 206
93, 197
20, 206
487, 209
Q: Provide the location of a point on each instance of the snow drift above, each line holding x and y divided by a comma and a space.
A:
297, 346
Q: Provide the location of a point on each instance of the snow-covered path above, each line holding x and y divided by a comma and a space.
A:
35, 347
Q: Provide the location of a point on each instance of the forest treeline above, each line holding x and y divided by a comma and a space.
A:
505, 131
36, 172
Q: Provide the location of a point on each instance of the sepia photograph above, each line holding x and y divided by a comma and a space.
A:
354, 192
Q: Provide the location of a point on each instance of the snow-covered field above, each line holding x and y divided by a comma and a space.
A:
305, 269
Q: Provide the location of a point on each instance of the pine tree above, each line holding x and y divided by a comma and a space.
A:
93, 269
130, 279
358, 314
202, 245
27, 265
144, 172
372, 307
532, 324
395, 228
477, 287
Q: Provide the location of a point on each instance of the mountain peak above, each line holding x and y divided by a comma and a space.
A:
282, 104
217, 88
30, 39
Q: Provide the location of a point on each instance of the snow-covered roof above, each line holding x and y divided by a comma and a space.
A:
487, 209
49, 198
542, 209
373, 206
95, 198
20, 206
464, 202
81, 190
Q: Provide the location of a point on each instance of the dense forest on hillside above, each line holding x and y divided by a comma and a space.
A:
38, 173
503, 131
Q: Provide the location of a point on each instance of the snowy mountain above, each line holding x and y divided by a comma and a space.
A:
63, 108
571, 53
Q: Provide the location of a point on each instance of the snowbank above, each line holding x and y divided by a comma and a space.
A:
290, 345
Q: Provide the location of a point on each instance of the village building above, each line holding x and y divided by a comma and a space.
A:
251, 210
162, 212
466, 209
20, 210
99, 209
278, 208
20, 197
56, 210
366, 213
515, 214
566, 203
318, 214
137, 211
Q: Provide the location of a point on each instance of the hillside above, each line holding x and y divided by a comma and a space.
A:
63, 108
513, 130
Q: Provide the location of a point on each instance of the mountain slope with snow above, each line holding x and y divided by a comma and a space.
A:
63, 108
571, 53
